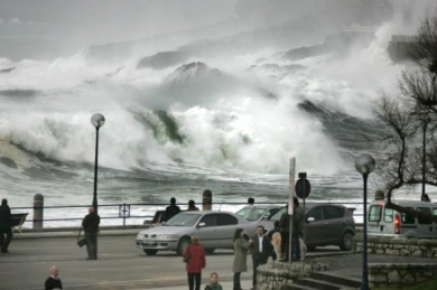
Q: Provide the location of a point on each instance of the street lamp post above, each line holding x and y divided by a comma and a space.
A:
425, 125
365, 165
97, 120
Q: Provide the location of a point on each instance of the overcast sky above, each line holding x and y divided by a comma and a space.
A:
117, 17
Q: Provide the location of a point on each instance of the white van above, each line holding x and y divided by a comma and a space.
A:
384, 221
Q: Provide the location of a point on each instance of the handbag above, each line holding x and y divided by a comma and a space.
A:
80, 241
187, 258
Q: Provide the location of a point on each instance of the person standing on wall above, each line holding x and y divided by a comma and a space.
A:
5, 226
90, 226
192, 206
172, 209
260, 251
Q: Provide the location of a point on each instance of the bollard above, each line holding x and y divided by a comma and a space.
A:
38, 211
207, 200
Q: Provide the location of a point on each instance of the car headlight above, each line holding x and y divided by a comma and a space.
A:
166, 236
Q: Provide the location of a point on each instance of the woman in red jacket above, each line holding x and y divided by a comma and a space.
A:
195, 253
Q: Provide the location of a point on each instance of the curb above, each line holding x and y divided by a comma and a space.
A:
58, 235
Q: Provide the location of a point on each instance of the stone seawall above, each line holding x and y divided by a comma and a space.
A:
398, 246
277, 275
402, 274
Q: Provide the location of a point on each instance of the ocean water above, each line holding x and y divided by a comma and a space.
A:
225, 114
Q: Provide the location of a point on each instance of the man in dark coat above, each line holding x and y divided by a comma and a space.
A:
53, 282
284, 224
90, 226
5, 226
298, 228
260, 249
172, 209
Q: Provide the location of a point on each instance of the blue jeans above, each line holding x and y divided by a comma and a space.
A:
296, 248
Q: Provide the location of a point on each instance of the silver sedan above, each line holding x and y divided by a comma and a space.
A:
215, 231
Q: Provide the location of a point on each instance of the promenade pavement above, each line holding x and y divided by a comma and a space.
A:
121, 265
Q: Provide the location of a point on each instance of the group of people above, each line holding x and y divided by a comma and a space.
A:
194, 256
173, 209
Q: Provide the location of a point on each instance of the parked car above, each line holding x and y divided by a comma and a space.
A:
255, 213
215, 231
384, 221
327, 224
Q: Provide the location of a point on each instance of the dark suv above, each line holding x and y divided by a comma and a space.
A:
327, 224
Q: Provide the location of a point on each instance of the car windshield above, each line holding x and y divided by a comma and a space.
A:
183, 220
251, 213
245, 212
277, 216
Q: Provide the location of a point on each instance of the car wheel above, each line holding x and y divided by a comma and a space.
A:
209, 251
183, 243
150, 252
311, 248
346, 242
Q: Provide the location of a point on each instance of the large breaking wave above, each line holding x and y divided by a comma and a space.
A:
203, 109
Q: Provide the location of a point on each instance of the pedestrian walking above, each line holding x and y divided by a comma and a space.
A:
5, 226
241, 246
213, 284
172, 209
298, 229
194, 254
251, 201
53, 282
90, 226
192, 206
260, 249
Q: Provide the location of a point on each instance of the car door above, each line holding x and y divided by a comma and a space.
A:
425, 228
226, 226
333, 223
314, 229
206, 229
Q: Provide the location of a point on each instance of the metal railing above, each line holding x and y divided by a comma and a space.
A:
129, 211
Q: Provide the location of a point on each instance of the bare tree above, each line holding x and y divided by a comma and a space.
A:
409, 117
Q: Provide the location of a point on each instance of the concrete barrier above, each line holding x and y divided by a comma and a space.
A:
38, 212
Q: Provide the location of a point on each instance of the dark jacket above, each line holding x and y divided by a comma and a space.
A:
266, 248
196, 261
5, 217
171, 211
91, 223
284, 222
299, 221
53, 284
195, 208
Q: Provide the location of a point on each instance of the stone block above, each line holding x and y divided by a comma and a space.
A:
404, 252
425, 242
399, 241
394, 277
375, 278
392, 252
408, 278
380, 251
398, 246
416, 254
